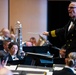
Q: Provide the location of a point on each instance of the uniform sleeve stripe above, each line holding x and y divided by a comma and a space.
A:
53, 33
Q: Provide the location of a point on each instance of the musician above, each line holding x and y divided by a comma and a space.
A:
33, 41
69, 65
6, 35
28, 43
13, 49
4, 51
5, 45
68, 31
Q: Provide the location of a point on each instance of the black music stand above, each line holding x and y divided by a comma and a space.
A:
36, 49
37, 56
42, 49
16, 62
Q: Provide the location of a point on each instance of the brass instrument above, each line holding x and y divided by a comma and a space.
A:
42, 41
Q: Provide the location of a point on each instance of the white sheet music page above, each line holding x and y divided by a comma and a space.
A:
11, 67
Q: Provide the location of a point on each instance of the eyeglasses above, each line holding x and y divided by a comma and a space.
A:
71, 7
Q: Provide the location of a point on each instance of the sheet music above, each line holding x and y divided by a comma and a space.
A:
11, 67
58, 68
34, 74
32, 69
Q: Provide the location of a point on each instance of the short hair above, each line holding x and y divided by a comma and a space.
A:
71, 59
33, 38
5, 41
73, 2
72, 55
11, 44
69, 62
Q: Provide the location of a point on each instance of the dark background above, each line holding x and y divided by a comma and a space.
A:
58, 17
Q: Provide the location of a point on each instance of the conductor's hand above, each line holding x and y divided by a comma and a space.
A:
46, 33
62, 53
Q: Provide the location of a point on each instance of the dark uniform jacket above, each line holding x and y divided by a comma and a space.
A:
64, 71
10, 57
14, 61
3, 55
69, 36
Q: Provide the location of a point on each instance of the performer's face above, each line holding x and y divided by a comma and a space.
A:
72, 9
14, 49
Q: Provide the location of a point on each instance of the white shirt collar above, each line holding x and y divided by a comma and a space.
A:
70, 68
5, 51
71, 24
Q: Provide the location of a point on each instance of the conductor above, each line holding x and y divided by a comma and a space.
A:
68, 31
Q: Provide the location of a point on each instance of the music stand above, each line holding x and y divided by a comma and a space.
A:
36, 49
38, 56
16, 62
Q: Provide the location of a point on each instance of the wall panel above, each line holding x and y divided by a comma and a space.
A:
32, 14
3, 14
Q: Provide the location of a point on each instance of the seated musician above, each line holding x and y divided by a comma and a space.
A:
69, 65
6, 35
28, 43
33, 41
13, 49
